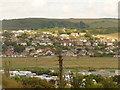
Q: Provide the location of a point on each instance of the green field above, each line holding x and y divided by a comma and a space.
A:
113, 35
73, 63
96, 23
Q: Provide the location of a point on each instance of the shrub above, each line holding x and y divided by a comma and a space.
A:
32, 82
10, 83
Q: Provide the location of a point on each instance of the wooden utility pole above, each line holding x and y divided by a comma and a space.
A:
61, 71
36, 62
7, 68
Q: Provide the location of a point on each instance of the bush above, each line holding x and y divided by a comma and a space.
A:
10, 83
40, 71
108, 83
33, 82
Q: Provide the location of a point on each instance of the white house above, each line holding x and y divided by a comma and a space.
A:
109, 44
47, 33
64, 35
46, 77
117, 72
74, 34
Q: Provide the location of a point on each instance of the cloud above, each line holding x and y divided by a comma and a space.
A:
68, 9
39, 3
22, 9
91, 3
55, 8
110, 9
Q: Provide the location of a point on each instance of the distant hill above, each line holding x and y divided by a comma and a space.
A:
94, 25
37, 23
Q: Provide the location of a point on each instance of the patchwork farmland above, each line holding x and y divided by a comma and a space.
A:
72, 63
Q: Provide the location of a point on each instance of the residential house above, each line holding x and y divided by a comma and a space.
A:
117, 72
44, 36
96, 36
55, 35
110, 48
17, 34
88, 43
46, 39
2, 38
47, 33
64, 35
24, 53
28, 31
66, 43
10, 50
79, 43
20, 31
14, 38
43, 43
109, 44
35, 42
73, 39
33, 53
49, 43
69, 53
29, 48
113, 40
101, 52
91, 47
80, 48
31, 36
91, 52
39, 50
81, 53
83, 39
21, 42
40, 38
49, 53
46, 49
75, 34
82, 34
102, 41
95, 44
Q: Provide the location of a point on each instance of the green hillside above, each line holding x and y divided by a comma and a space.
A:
101, 26
37, 23
93, 23
113, 35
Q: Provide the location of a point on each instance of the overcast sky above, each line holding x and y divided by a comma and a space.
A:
58, 8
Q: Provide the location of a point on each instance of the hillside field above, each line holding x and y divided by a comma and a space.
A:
112, 35
72, 63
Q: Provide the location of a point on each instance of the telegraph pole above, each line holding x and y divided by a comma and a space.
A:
7, 68
36, 62
61, 71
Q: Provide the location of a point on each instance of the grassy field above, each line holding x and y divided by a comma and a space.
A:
113, 35
73, 63
95, 23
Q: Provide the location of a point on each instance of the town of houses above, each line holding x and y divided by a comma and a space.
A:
30, 43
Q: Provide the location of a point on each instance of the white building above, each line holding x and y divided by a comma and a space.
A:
117, 72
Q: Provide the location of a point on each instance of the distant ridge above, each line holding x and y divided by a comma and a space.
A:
106, 25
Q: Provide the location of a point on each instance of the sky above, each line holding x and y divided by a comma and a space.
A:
11, 9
